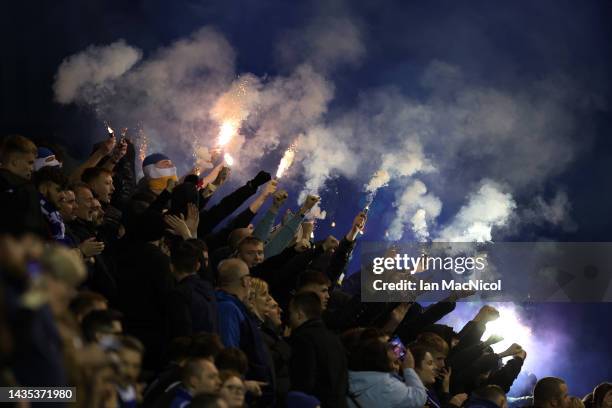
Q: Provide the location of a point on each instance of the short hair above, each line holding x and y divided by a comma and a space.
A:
179, 348
249, 240
84, 302
229, 271
206, 401
131, 343
198, 243
51, 174
97, 320
419, 351
490, 392
371, 355
433, 342
16, 144
547, 389
232, 359
206, 345
92, 173
308, 303
312, 277
185, 257
599, 393
78, 185
193, 368
236, 236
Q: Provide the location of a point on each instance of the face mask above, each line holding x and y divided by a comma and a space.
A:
161, 182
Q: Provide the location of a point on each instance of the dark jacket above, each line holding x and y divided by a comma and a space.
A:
20, 206
318, 364
192, 307
144, 280
280, 350
238, 328
100, 276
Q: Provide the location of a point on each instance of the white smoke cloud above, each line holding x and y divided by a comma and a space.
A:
487, 208
94, 67
326, 43
416, 206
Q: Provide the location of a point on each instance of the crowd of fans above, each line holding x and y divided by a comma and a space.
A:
141, 293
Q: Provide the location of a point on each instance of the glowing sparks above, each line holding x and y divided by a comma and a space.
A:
110, 130
226, 133
228, 159
286, 161
333, 224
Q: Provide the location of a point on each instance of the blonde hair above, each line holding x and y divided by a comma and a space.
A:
258, 287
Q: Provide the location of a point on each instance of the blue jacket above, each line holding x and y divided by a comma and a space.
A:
182, 398
238, 328
378, 389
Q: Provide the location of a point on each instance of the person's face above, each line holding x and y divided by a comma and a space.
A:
52, 193
67, 204
275, 312
97, 213
22, 164
439, 361
84, 204
427, 370
259, 301
103, 186
321, 290
607, 400
232, 391
208, 381
564, 401
130, 362
252, 254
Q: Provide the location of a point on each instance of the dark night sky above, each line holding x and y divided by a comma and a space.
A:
495, 42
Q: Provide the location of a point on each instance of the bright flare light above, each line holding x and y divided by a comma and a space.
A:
228, 159
510, 327
226, 132
110, 130
286, 161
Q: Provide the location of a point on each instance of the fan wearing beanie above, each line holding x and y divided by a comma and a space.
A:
158, 169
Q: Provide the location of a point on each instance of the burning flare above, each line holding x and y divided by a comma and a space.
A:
228, 159
226, 132
286, 161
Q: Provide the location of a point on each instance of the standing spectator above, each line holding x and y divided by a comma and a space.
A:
192, 306
318, 362
22, 211
238, 327
372, 381
550, 392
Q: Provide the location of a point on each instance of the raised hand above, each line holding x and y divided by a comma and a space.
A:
279, 198
177, 226
486, 314
309, 203
193, 218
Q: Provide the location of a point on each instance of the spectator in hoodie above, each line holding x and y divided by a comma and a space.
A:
318, 362
192, 304
373, 380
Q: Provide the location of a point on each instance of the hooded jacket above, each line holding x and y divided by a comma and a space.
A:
379, 389
192, 307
